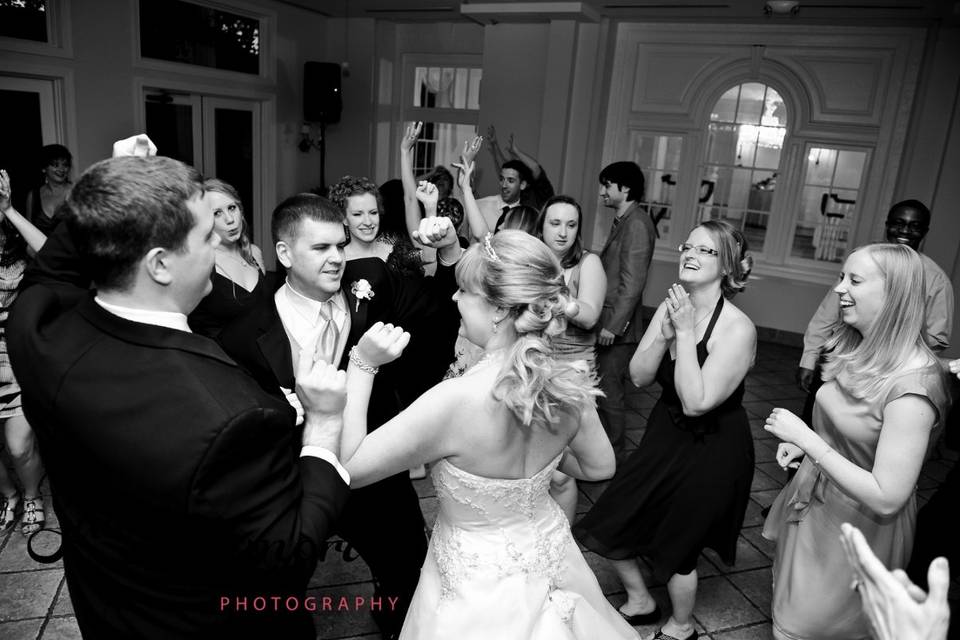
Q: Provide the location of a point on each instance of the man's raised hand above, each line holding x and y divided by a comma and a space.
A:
139, 145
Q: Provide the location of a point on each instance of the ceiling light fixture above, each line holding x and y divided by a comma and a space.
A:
781, 7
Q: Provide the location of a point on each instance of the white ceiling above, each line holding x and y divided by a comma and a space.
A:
879, 12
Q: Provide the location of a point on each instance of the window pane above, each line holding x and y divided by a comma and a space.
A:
820, 164
751, 103
828, 204
473, 96
170, 126
726, 108
447, 87
179, 31
24, 19
849, 169
659, 159
440, 144
745, 138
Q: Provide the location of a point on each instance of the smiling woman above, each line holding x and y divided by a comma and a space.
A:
883, 398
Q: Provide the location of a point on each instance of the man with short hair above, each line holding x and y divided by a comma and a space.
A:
626, 257
522, 182
179, 484
339, 299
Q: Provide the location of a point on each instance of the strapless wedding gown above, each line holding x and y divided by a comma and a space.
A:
503, 564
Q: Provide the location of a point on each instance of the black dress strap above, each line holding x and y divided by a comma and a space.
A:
713, 321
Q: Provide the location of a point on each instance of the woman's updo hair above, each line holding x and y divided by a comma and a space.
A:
735, 263
515, 271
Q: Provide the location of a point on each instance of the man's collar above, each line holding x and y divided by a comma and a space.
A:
169, 319
309, 305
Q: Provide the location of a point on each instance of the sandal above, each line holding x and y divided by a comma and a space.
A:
9, 505
33, 516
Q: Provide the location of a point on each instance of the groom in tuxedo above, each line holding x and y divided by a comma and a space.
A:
327, 299
177, 481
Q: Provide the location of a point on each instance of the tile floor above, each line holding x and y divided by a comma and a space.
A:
733, 603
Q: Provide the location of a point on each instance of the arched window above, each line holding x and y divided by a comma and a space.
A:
745, 138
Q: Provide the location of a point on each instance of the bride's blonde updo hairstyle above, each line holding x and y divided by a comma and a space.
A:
513, 270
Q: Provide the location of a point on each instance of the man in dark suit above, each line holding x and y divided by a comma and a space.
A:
382, 522
183, 491
626, 259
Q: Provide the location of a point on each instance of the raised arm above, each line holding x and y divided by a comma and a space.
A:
589, 455
535, 169
418, 435
33, 236
593, 288
476, 223
495, 151
411, 207
904, 437
701, 389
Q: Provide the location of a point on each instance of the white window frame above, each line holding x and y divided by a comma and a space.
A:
59, 39
409, 113
806, 144
268, 38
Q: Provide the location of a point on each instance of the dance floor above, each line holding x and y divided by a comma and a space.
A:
733, 603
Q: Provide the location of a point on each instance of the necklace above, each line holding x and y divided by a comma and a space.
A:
233, 256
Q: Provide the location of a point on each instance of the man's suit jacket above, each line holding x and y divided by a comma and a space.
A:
258, 341
174, 476
626, 260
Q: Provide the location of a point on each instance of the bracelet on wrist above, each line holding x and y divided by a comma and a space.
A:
363, 366
449, 263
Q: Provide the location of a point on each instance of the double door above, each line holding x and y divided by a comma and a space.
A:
219, 136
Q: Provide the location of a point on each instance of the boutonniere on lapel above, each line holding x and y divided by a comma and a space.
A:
361, 290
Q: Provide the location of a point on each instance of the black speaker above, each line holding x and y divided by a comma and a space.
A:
321, 92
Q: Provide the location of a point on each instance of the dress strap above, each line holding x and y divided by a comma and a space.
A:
713, 321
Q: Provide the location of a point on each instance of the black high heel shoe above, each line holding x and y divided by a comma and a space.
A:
642, 618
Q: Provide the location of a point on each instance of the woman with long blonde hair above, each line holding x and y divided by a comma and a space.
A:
502, 561
238, 276
884, 396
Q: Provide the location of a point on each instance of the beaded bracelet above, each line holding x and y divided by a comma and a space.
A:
363, 366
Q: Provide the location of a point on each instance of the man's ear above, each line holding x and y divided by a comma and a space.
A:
156, 264
523, 185
283, 254
625, 191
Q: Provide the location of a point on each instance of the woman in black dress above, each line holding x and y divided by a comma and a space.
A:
238, 276
686, 486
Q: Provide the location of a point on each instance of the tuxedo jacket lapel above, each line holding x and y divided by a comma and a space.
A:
358, 322
275, 349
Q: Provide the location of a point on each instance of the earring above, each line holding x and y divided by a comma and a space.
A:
496, 325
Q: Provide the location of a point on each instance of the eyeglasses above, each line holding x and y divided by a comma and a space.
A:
700, 249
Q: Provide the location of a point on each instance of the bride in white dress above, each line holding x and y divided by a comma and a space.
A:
502, 562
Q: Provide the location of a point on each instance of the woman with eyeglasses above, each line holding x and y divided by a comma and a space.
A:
238, 275
686, 486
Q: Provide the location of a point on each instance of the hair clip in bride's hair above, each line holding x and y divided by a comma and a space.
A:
488, 247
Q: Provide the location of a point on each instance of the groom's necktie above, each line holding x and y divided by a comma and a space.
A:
329, 335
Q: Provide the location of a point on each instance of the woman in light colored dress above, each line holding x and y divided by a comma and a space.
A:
559, 226
884, 395
17, 236
502, 561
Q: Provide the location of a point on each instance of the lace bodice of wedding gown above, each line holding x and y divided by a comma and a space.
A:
503, 564
497, 525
